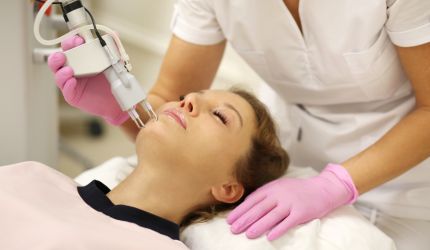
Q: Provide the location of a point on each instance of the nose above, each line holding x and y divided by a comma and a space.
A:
190, 104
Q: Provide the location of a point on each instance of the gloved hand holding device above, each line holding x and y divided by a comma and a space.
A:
91, 94
285, 203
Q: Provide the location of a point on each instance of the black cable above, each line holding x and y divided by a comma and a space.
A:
102, 41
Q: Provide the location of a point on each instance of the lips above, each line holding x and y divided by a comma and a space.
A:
177, 115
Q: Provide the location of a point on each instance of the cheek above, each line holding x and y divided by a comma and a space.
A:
214, 150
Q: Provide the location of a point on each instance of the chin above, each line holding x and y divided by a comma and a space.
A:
160, 149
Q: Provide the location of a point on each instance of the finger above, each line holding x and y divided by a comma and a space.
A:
71, 42
245, 206
269, 221
62, 76
56, 61
69, 91
253, 215
291, 221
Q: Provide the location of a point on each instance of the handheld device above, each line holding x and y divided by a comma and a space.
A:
99, 54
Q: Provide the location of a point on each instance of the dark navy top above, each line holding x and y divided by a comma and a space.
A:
94, 194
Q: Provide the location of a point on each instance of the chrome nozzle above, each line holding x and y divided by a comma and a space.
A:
136, 118
148, 108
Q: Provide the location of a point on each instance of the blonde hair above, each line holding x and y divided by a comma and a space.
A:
265, 161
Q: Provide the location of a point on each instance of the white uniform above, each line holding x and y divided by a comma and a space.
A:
341, 79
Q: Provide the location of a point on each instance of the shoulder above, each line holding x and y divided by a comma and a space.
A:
25, 167
31, 172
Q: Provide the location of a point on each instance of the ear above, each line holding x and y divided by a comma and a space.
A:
228, 193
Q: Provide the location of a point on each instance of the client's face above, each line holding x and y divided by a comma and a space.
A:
201, 136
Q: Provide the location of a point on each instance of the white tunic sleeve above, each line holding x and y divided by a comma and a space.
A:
194, 21
408, 22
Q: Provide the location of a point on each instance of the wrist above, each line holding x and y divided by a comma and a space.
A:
348, 193
118, 120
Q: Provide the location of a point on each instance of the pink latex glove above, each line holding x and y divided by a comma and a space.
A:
90, 94
285, 203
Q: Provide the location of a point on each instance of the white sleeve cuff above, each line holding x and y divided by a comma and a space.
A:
196, 36
413, 37
202, 32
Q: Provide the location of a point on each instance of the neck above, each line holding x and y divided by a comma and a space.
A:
162, 194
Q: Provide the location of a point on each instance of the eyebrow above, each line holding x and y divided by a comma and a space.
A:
228, 105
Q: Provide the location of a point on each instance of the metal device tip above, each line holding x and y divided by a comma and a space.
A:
150, 110
135, 117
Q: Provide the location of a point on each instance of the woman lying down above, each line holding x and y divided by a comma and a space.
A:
203, 155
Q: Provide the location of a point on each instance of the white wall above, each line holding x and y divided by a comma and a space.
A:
28, 107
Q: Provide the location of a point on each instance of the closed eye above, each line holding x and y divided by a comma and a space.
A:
221, 116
